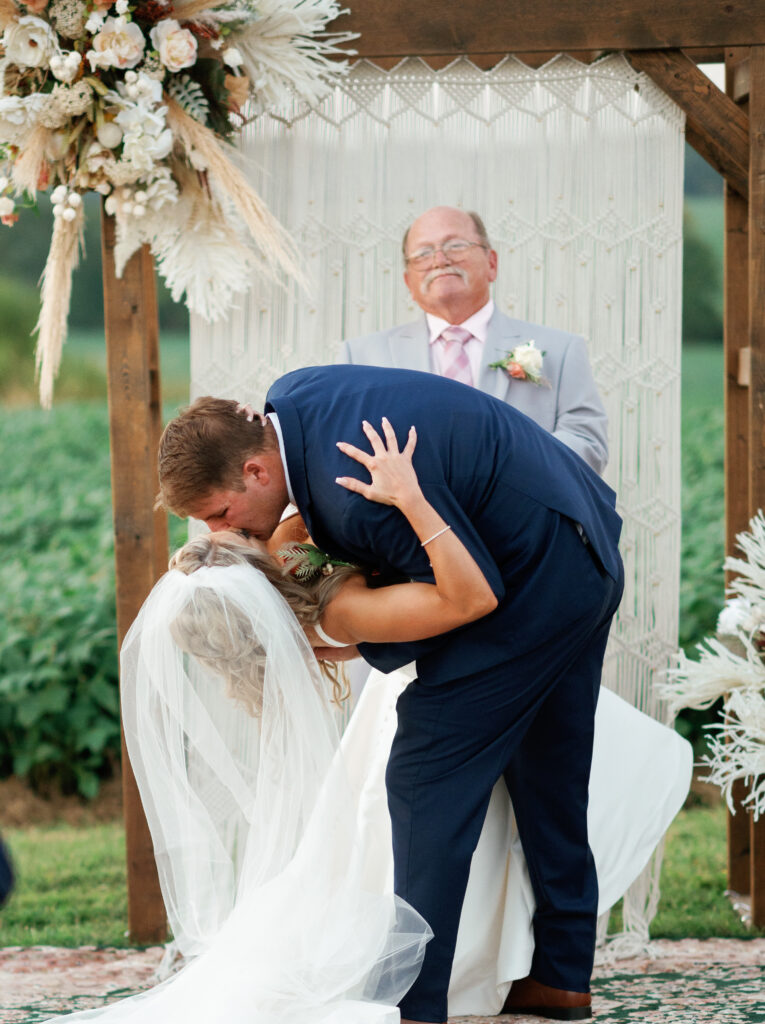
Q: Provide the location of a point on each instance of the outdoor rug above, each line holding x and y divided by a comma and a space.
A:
714, 981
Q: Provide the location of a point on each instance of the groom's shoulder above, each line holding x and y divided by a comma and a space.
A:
345, 375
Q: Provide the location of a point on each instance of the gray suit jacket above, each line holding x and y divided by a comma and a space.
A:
570, 408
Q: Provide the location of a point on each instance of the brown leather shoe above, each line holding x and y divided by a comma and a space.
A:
532, 997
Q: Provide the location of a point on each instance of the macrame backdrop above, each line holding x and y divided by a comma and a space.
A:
577, 171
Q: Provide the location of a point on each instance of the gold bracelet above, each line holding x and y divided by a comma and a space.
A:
425, 542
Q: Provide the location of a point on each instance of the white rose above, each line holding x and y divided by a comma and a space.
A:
17, 116
119, 44
29, 42
7, 206
177, 47
529, 358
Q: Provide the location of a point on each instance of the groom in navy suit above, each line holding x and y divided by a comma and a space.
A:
511, 695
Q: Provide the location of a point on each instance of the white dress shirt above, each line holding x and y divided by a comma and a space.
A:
477, 324
277, 427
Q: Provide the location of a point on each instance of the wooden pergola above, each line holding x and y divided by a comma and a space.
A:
664, 40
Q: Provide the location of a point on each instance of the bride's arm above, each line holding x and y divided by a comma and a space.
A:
408, 611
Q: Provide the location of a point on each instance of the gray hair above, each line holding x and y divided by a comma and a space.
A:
478, 224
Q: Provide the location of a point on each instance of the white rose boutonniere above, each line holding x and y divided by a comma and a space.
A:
524, 362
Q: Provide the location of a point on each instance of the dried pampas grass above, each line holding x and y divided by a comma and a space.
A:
273, 243
28, 166
194, 8
63, 258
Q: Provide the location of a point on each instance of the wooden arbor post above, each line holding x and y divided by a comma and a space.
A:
140, 534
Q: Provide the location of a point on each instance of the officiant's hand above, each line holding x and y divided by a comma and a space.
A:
394, 481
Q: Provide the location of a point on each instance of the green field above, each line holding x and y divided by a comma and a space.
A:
72, 884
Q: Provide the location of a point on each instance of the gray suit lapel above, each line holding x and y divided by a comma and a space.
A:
503, 335
408, 347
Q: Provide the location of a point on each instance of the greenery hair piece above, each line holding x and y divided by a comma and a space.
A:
306, 562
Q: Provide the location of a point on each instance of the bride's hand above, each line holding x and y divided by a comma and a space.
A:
394, 481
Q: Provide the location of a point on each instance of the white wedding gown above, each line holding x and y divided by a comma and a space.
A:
641, 772
272, 835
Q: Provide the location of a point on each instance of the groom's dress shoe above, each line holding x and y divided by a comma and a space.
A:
532, 997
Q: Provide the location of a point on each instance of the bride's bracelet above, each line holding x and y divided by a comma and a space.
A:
424, 543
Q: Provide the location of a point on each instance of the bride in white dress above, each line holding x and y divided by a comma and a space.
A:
272, 841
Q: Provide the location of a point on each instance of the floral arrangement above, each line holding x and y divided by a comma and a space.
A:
732, 667
141, 100
524, 362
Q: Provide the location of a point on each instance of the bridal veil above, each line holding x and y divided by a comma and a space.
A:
253, 819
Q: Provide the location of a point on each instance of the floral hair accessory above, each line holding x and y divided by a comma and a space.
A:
306, 562
524, 362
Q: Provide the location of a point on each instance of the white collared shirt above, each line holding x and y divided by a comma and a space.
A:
477, 324
278, 428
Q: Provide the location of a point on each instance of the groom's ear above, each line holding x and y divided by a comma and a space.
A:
257, 469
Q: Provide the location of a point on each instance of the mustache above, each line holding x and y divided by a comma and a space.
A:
431, 276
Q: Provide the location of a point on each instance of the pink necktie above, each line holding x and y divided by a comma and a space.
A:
455, 361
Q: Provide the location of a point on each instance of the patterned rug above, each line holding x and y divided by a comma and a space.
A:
715, 981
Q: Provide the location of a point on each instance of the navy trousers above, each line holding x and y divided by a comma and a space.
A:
531, 721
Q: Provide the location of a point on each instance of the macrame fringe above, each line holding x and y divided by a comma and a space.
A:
62, 261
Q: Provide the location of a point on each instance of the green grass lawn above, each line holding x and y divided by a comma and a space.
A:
72, 884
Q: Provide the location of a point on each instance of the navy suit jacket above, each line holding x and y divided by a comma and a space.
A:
490, 471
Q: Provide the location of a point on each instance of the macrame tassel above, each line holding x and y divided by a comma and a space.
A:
62, 261
275, 246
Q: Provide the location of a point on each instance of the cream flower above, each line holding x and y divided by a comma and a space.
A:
18, 115
119, 44
7, 206
529, 358
29, 42
177, 47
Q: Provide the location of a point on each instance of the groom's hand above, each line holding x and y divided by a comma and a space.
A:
336, 653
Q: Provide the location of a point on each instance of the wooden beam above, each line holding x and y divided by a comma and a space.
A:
140, 535
398, 28
736, 399
715, 126
757, 385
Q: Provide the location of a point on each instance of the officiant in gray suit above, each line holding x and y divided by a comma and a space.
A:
449, 268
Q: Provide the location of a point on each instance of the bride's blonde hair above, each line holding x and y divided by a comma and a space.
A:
220, 636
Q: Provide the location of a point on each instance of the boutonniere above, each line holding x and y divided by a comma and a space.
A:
524, 362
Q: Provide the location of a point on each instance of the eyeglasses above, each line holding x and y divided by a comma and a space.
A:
454, 249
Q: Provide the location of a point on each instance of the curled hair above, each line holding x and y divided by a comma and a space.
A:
219, 634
